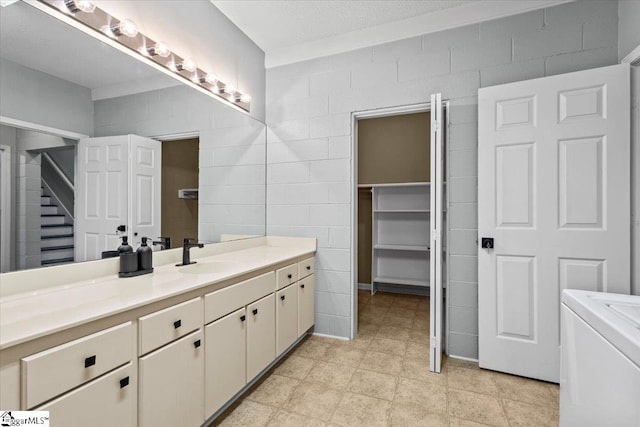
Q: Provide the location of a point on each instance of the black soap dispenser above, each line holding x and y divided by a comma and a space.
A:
125, 247
145, 256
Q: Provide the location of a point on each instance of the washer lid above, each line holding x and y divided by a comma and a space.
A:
614, 316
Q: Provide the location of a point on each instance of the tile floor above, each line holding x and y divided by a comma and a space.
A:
382, 379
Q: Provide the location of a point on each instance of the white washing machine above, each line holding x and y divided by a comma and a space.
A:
600, 360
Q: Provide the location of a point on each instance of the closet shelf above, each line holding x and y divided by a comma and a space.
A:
401, 281
415, 248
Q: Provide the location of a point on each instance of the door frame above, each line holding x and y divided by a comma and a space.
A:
5, 207
367, 114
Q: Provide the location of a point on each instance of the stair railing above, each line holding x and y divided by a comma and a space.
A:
59, 173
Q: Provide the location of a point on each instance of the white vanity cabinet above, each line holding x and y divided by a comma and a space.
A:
104, 402
225, 359
171, 384
306, 304
261, 335
286, 317
171, 376
88, 381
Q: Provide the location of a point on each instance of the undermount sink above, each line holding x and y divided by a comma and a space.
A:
208, 267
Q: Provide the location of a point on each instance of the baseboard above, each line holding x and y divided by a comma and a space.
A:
315, 334
403, 289
364, 286
468, 359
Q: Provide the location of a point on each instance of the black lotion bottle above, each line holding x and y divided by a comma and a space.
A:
145, 256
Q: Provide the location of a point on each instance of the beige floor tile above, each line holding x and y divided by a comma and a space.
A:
526, 390
477, 380
522, 414
343, 355
407, 303
401, 312
382, 362
432, 397
417, 350
248, 413
357, 410
295, 367
419, 336
387, 345
371, 317
274, 390
412, 415
312, 349
393, 332
368, 330
476, 407
418, 369
400, 322
359, 342
420, 323
373, 384
324, 339
315, 400
459, 422
335, 376
288, 419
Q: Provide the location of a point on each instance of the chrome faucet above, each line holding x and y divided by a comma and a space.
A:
186, 260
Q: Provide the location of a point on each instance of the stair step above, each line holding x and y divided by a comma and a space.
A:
55, 230
56, 261
67, 252
55, 248
45, 200
54, 241
50, 219
49, 210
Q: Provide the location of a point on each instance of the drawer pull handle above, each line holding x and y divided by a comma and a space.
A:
177, 324
124, 382
282, 297
308, 267
89, 361
255, 311
302, 286
243, 318
197, 343
289, 276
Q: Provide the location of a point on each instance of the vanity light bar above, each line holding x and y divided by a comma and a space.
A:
126, 34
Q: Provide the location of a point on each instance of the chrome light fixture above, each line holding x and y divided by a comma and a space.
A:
86, 13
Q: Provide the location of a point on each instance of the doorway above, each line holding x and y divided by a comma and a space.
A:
397, 246
180, 171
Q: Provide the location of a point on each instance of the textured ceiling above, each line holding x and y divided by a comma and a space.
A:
274, 24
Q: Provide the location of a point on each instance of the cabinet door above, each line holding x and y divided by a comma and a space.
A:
286, 317
225, 363
172, 384
261, 335
104, 402
306, 304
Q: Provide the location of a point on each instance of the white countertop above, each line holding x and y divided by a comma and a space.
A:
33, 314
614, 316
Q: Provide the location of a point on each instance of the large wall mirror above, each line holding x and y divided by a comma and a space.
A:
95, 144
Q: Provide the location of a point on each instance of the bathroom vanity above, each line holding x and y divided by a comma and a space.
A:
175, 347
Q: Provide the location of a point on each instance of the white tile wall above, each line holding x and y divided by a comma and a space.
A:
456, 62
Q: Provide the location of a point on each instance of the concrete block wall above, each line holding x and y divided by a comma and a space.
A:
231, 157
309, 106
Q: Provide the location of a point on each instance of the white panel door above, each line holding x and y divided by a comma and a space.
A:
101, 195
144, 195
436, 279
553, 193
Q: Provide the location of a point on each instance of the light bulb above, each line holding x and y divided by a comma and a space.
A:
125, 27
215, 89
211, 79
229, 89
76, 6
246, 98
189, 65
160, 49
172, 66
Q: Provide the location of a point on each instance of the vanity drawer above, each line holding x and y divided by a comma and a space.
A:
54, 371
287, 275
306, 268
162, 327
224, 301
